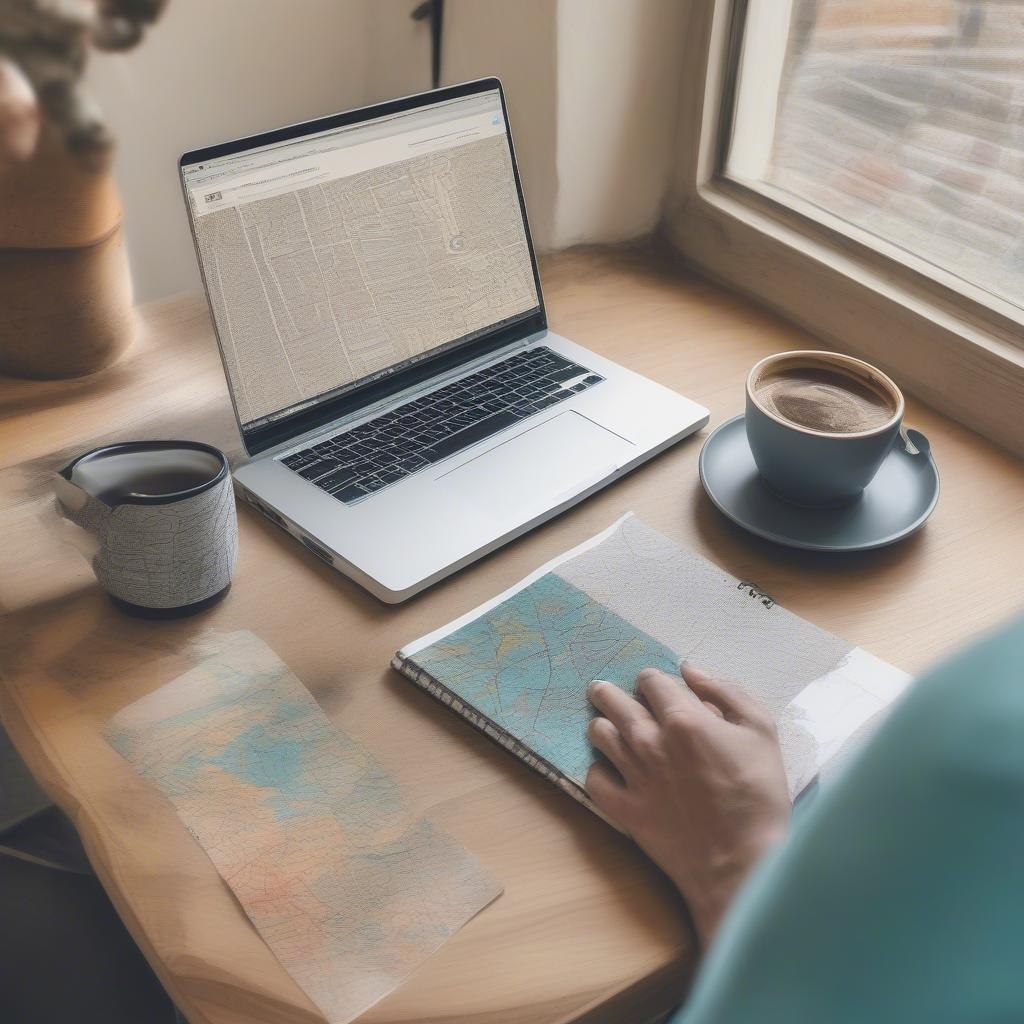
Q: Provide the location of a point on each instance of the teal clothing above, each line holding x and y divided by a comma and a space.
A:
899, 893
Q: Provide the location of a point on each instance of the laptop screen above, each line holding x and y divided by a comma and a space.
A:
337, 258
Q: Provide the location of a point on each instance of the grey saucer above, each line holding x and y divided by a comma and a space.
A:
897, 502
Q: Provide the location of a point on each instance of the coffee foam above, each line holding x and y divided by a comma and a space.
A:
823, 398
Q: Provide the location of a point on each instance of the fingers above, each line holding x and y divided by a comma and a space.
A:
607, 792
664, 694
625, 713
606, 738
735, 705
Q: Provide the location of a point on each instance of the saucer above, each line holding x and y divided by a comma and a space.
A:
897, 502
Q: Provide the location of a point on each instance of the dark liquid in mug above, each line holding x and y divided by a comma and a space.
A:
156, 482
824, 399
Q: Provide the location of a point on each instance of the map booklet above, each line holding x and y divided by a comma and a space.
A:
518, 666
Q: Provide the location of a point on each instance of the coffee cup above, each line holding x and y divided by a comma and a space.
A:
161, 518
820, 424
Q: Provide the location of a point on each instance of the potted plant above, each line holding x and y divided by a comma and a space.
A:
65, 291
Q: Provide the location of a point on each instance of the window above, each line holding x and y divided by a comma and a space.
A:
903, 119
858, 165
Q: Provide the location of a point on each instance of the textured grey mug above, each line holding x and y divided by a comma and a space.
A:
162, 518
811, 467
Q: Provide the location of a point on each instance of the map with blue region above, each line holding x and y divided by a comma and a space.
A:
527, 662
350, 890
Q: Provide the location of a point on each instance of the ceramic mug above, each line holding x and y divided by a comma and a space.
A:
162, 518
811, 467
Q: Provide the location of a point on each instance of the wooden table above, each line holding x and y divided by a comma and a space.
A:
586, 929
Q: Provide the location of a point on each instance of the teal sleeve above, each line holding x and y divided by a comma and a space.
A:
899, 893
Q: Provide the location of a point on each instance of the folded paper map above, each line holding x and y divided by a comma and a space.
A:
349, 891
518, 667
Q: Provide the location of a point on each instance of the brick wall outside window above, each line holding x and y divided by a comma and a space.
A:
907, 119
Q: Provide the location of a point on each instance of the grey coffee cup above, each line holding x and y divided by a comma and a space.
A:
811, 467
161, 515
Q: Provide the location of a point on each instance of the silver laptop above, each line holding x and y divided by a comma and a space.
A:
376, 299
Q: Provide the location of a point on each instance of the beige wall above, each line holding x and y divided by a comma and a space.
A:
591, 88
618, 84
515, 42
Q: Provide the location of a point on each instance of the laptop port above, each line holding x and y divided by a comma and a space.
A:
322, 553
265, 509
272, 515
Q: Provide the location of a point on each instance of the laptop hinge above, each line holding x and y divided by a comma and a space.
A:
368, 412
342, 408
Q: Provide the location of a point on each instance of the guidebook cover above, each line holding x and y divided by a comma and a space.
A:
518, 667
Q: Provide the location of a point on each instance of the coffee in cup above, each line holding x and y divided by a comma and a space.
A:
820, 424
823, 398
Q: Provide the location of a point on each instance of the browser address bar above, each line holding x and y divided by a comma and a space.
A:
302, 171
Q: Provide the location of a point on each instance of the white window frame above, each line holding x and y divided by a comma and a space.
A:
950, 343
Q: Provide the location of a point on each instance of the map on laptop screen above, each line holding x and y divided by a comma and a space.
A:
335, 258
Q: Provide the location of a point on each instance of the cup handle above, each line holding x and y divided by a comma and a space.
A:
913, 442
78, 506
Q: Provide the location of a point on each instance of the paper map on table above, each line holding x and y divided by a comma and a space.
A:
348, 890
518, 666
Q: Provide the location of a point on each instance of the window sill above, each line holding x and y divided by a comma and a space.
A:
935, 349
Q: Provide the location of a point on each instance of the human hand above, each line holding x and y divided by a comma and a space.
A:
695, 777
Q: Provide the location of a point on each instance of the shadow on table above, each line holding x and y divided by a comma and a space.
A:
65, 956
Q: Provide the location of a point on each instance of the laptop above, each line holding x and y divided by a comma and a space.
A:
375, 294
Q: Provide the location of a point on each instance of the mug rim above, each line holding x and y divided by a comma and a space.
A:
826, 356
134, 498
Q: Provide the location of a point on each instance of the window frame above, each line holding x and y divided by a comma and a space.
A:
961, 349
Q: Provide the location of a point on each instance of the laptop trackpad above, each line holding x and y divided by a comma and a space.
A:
539, 468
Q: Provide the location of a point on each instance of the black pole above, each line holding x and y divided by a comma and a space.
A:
433, 9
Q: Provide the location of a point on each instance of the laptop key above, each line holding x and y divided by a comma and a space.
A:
336, 479
317, 469
351, 493
464, 438
553, 361
566, 372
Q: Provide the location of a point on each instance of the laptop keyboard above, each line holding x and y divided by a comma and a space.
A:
365, 459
